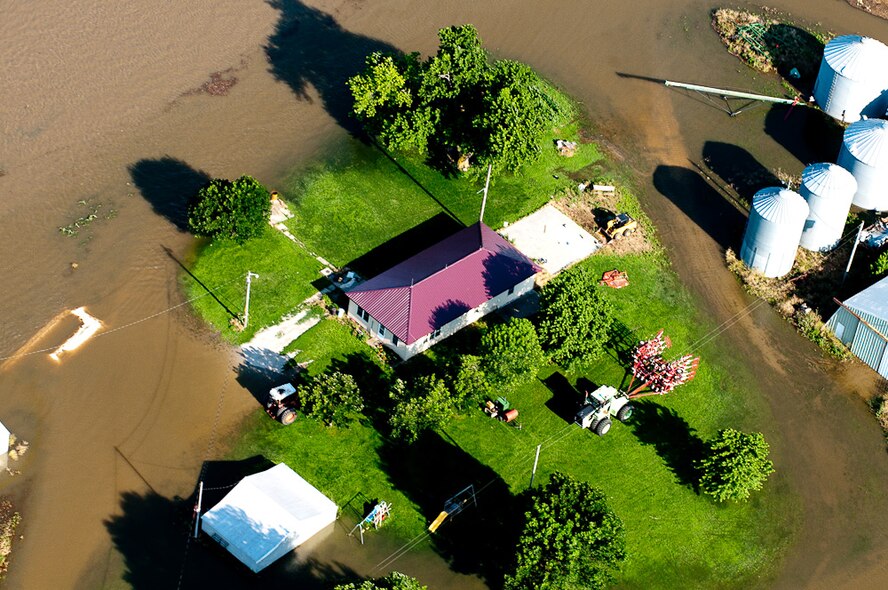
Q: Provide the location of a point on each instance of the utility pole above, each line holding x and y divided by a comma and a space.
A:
250, 275
486, 186
853, 250
535, 461
197, 510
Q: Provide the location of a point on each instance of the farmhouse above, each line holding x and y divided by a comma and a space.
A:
267, 515
442, 289
861, 322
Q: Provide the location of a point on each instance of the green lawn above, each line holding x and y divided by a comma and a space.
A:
363, 198
675, 537
285, 270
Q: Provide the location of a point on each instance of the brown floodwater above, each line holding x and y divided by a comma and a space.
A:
107, 108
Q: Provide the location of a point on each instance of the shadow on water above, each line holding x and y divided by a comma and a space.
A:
701, 203
477, 540
403, 246
309, 48
808, 134
168, 184
794, 48
738, 168
152, 531
671, 436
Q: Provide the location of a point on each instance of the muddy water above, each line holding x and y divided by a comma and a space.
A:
102, 104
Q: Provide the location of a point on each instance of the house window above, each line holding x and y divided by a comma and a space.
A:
394, 340
511, 290
363, 314
436, 333
381, 331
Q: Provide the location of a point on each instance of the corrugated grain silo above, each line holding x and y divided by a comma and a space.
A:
864, 154
775, 225
853, 78
828, 190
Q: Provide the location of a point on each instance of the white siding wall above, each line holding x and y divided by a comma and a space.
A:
471, 316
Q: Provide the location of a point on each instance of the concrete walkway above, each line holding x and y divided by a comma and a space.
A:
265, 350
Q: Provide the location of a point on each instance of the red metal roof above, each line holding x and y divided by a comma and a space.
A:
416, 297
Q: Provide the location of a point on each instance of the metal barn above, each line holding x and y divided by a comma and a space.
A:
861, 322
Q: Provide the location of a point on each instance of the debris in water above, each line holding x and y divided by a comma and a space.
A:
88, 327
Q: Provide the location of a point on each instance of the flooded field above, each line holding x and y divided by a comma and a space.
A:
116, 112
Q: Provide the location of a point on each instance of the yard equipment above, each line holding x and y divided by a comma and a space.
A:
281, 403
500, 409
620, 225
615, 279
602, 404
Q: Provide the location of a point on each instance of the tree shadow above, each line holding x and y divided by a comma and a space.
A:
168, 184
792, 47
565, 398
260, 369
738, 168
152, 531
672, 437
478, 540
405, 245
309, 48
808, 134
701, 203
373, 383
504, 269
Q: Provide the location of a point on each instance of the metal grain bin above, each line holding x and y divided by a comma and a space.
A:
775, 225
828, 189
853, 78
864, 154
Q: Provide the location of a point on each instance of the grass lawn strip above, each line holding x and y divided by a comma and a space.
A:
285, 270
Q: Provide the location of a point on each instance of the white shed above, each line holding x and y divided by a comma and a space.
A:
4, 446
267, 515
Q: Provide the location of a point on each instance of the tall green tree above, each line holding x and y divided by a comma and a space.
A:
470, 384
393, 581
425, 404
333, 398
574, 318
571, 539
457, 103
237, 210
734, 465
512, 353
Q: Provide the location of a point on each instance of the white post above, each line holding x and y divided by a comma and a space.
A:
197, 510
853, 250
535, 461
250, 275
486, 186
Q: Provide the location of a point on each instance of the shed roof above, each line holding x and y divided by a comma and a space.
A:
872, 300
267, 509
428, 290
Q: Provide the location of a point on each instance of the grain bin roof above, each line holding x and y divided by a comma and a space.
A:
867, 140
873, 300
779, 205
827, 179
856, 58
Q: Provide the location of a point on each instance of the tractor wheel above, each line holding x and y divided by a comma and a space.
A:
287, 416
629, 232
603, 426
625, 413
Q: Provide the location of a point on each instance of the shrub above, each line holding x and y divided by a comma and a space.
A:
512, 353
735, 464
229, 210
425, 405
333, 398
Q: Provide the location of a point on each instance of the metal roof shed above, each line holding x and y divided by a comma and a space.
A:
861, 322
267, 515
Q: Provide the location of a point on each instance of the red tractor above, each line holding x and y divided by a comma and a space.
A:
281, 404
